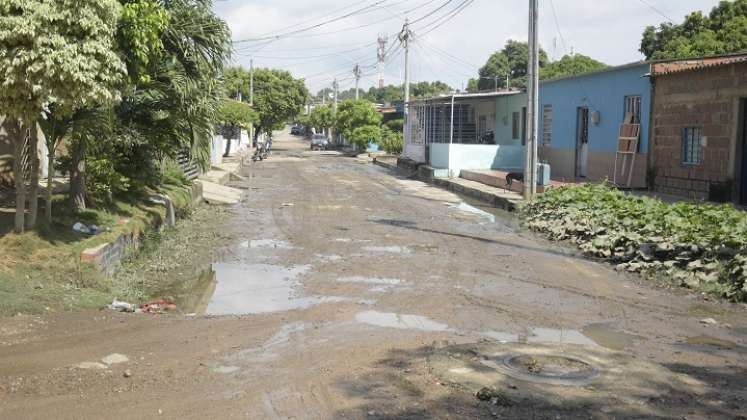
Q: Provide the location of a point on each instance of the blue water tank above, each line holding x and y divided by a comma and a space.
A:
543, 174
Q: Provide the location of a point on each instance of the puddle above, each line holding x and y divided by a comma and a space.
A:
544, 336
369, 280
474, 210
399, 321
259, 288
606, 337
226, 370
705, 340
266, 243
379, 289
387, 249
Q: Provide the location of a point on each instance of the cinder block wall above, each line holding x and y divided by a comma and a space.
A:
706, 98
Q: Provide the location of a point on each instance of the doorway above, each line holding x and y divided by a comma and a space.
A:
582, 142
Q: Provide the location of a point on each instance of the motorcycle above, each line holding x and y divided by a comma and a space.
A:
263, 151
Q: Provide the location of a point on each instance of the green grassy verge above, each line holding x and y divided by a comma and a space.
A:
698, 245
41, 270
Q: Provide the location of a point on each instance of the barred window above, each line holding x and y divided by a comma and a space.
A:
691, 145
515, 125
546, 125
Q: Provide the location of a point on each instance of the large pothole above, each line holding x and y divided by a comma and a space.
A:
537, 375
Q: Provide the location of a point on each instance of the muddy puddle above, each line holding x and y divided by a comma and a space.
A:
243, 289
266, 243
399, 321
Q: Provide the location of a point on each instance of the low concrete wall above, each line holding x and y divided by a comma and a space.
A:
458, 157
108, 257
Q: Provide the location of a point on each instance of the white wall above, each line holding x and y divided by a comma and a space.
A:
458, 157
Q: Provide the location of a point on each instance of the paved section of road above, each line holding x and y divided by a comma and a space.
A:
341, 284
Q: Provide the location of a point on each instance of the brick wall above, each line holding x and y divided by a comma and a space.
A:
705, 98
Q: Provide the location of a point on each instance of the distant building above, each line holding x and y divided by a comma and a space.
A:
699, 133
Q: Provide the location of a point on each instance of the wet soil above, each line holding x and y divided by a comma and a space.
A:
338, 289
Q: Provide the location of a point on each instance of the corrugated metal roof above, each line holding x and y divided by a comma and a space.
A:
671, 67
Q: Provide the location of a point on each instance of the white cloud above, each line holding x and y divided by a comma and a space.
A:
608, 30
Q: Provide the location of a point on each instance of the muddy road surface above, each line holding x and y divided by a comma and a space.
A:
347, 291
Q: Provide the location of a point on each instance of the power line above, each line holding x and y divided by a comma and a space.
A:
308, 28
445, 18
657, 10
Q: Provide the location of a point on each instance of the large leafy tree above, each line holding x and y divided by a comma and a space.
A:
233, 116
724, 30
55, 52
510, 62
322, 117
278, 97
353, 115
570, 65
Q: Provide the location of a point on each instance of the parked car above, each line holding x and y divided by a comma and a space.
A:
319, 142
296, 130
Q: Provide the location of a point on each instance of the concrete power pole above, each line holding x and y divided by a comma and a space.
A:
381, 55
357, 73
530, 169
334, 107
251, 82
404, 38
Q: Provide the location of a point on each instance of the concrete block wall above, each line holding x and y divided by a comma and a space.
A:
707, 98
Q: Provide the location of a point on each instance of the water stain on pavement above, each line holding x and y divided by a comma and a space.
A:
708, 341
609, 338
474, 210
387, 249
543, 335
259, 288
266, 243
369, 280
399, 321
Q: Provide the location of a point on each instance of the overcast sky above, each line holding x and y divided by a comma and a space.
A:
608, 30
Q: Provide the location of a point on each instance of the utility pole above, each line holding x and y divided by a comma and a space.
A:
404, 38
496, 83
381, 55
334, 87
530, 168
251, 82
357, 73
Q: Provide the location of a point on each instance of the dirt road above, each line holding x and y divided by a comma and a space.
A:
349, 292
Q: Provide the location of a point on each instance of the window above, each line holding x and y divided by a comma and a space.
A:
546, 125
632, 114
515, 125
691, 145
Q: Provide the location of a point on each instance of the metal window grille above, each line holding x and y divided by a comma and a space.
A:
691, 145
632, 113
546, 125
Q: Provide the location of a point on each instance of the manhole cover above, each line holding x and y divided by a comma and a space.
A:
551, 369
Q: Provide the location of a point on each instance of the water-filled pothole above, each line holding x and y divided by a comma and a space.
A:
551, 369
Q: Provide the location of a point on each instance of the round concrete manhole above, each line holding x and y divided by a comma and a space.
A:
550, 369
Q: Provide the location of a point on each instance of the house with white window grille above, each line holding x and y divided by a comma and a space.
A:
459, 132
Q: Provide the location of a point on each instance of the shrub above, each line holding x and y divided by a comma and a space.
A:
392, 141
699, 245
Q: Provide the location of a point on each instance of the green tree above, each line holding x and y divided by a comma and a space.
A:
139, 35
353, 114
233, 116
392, 141
278, 97
322, 117
724, 30
429, 89
397, 125
511, 61
55, 51
571, 65
237, 80
365, 134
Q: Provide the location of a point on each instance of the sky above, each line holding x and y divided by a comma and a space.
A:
445, 47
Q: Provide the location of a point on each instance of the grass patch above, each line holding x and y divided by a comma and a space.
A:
698, 245
41, 270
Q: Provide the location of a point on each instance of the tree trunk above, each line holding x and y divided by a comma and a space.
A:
50, 183
78, 176
18, 134
257, 130
228, 142
34, 159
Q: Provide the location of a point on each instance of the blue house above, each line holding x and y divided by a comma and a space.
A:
580, 123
